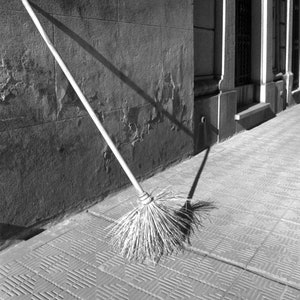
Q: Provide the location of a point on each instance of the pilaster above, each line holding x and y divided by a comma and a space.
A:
289, 45
266, 74
227, 96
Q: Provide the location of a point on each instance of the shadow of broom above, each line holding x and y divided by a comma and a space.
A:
150, 230
194, 213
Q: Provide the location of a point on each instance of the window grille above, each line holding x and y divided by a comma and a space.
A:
243, 42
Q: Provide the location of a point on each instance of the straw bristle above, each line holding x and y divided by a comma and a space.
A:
153, 230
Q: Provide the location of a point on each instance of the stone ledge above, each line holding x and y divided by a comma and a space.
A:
251, 111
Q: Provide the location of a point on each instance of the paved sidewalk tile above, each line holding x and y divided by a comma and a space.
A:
248, 247
19, 282
291, 294
251, 286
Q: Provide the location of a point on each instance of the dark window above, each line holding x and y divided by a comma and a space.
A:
243, 42
295, 49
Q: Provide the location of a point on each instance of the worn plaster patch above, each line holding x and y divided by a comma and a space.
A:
10, 83
167, 95
107, 156
20, 75
136, 123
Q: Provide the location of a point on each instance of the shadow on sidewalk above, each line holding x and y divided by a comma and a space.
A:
195, 211
11, 233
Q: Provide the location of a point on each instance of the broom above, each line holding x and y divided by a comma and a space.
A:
152, 229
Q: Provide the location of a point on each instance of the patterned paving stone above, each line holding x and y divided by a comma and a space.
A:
205, 241
62, 270
45, 260
205, 270
18, 282
225, 276
108, 287
284, 244
173, 285
95, 227
292, 215
248, 235
208, 292
184, 263
274, 199
85, 248
281, 191
281, 272
294, 278
215, 273
254, 220
270, 210
251, 294
121, 209
291, 294
221, 226
251, 286
295, 205
121, 269
236, 252
79, 279
273, 260
288, 229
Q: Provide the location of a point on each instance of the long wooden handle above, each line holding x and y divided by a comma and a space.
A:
83, 99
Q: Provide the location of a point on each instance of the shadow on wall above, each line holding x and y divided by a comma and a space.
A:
10, 233
93, 52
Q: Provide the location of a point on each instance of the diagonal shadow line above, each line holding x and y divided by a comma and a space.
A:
91, 50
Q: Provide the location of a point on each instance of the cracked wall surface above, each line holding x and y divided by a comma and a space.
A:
133, 61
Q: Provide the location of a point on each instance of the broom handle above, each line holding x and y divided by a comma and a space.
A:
83, 99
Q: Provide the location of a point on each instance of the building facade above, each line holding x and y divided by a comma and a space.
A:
167, 78
246, 56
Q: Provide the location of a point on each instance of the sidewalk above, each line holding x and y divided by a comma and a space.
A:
248, 249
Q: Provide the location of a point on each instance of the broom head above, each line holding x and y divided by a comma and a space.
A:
158, 228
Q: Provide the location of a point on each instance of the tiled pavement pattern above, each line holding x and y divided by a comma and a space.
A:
248, 249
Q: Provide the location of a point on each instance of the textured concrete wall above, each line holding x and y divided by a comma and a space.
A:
134, 62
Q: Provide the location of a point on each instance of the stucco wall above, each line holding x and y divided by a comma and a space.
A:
129, 57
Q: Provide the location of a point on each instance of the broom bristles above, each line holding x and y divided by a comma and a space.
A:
154, 230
